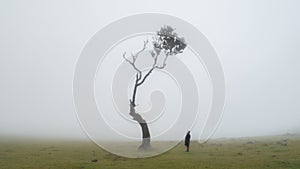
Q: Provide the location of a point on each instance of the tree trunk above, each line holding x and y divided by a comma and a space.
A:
146, 137
145, 130
137, 117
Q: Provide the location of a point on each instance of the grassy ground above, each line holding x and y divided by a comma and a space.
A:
280, 152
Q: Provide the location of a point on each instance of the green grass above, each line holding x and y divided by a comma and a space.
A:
279, 152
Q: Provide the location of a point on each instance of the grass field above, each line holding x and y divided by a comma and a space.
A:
280, 152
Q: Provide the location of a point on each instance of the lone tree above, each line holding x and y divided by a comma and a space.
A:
165, 43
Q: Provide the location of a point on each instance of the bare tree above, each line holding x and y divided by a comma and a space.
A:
165, 43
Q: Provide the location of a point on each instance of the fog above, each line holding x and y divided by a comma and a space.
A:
257, 43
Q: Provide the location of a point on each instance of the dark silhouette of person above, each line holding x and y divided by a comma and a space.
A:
187, 141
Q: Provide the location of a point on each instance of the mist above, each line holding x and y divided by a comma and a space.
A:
257, 43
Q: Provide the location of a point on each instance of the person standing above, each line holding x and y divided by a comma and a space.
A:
187, 141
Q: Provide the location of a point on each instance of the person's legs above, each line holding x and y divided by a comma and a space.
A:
187, 148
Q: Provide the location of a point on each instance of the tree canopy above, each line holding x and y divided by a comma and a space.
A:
168, 41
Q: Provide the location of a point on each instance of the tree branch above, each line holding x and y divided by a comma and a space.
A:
132, 63
145, 77
137, 78
134, 57
163, 64
144, 47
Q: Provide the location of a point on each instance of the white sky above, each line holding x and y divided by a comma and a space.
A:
257, 42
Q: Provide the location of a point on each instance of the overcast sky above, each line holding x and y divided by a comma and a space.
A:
257, 42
